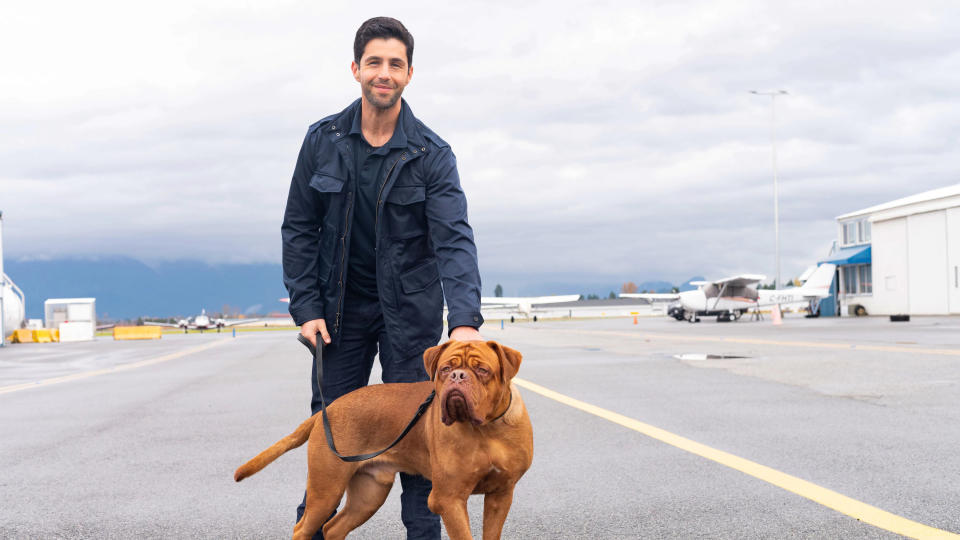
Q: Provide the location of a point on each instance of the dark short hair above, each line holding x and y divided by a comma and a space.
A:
382, 28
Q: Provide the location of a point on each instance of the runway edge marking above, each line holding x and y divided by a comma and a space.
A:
114, 369
758, 341
831, 499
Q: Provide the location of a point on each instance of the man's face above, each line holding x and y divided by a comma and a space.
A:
383, 72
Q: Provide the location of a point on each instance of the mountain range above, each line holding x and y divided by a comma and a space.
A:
126, 288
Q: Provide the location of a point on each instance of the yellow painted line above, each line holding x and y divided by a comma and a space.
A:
114, 369
755, 341
831, 499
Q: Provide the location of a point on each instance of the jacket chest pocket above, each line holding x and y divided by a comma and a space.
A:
331, 190
404, 212
325, 183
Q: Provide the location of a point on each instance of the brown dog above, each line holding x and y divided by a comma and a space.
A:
474, 438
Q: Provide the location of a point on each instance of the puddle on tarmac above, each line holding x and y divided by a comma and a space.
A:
705, 356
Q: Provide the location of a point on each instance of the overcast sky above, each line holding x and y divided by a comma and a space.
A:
608, 139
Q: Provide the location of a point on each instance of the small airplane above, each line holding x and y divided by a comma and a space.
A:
729, 298
203, 322
523, 305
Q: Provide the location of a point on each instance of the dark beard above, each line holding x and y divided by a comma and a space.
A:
377, 102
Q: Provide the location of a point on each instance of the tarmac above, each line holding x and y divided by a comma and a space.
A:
818, 428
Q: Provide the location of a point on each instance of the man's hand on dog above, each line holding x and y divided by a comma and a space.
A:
310, 328
465, 333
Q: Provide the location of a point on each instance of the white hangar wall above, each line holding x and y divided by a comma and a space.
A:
916, 254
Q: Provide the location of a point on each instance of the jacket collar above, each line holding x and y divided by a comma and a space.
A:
397, 140
406, 135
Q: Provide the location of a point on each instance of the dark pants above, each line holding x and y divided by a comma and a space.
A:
346, 367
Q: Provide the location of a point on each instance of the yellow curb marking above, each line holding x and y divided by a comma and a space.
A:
831, 499
114, 369
754, 341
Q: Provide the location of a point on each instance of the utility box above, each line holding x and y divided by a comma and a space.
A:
76, 318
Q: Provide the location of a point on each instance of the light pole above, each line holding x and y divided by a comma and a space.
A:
776, 188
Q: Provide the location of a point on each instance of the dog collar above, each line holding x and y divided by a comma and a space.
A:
509, 403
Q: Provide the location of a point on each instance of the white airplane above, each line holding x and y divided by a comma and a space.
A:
731, 297
203, 322
523, 305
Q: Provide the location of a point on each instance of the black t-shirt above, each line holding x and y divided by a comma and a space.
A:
369, 164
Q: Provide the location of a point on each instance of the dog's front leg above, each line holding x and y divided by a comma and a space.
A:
495, 507
452, 509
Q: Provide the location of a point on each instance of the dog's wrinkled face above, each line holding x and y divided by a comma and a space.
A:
472, 379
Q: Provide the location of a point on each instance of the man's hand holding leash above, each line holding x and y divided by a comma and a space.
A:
310, 329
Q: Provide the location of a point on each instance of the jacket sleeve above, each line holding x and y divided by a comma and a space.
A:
301, 238
452, 238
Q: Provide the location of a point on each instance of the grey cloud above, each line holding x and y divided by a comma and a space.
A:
619, 140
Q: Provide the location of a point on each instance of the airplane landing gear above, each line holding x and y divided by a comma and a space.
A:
729, 316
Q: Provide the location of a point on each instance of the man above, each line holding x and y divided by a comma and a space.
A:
375, 222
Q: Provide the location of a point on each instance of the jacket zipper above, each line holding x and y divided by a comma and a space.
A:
343, 259
376, 222
376, 234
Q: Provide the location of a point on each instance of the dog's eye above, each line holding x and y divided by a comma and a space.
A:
445, 369
482, 371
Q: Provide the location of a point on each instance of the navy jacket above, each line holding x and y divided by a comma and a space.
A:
422, 235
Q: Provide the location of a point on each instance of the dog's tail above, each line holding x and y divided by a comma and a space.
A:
279, 448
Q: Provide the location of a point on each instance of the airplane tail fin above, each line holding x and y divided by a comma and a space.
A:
818, 284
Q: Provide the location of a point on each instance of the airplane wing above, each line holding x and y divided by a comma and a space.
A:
742, 280
234, 322
157, 323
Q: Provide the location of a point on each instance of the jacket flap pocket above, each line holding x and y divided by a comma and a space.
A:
420, 277
407, 194
326, 184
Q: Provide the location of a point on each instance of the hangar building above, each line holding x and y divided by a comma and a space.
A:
901, 257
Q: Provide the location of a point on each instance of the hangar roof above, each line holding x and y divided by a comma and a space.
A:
936, 199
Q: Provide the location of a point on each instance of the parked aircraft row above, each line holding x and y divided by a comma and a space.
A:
520, 305
729, 298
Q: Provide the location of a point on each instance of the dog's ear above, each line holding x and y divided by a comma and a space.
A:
509, 360
431, 357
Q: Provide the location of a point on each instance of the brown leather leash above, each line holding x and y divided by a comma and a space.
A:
317, 353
